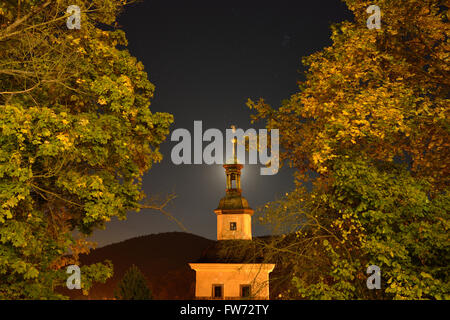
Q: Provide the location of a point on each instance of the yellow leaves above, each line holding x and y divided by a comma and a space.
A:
361, 122
338, 223
101, 101
65, 140
322, 170
97, 180
81, 184
317, 158
46, 132
97, 194
84, 122
76, 41
126, 82
10, 203
62, 137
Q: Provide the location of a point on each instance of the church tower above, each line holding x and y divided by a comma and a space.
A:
225, 278
234, 216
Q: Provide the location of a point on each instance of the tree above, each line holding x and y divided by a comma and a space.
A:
381, 93
76, 136
133, 286
370, 101
371, 213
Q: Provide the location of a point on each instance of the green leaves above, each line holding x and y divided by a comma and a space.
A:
373, 213
76, 136
97, 272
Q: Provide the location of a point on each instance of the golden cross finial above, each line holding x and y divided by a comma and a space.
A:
234, 141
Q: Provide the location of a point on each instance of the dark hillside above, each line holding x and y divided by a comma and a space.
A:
163, 258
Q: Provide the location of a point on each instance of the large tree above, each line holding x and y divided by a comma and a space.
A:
372, 100
76, 136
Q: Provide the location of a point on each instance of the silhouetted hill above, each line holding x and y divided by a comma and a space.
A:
163, 258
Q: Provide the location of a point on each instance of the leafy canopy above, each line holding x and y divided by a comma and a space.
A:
372, 100
76, 136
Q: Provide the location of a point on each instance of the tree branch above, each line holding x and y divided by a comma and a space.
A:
161, 208
19, 21
55, 195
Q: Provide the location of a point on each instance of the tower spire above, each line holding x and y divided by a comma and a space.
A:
233, 170
234, 141
233, 212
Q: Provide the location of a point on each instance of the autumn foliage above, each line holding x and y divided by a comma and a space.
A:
369, 128
76, 136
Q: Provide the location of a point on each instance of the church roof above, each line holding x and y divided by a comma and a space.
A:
233, 201
231, 251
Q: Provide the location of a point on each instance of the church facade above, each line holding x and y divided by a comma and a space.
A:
219, 280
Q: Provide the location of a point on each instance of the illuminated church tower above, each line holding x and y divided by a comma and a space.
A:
234, 216
230, 278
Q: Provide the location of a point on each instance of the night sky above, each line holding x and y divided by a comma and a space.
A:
206, 58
